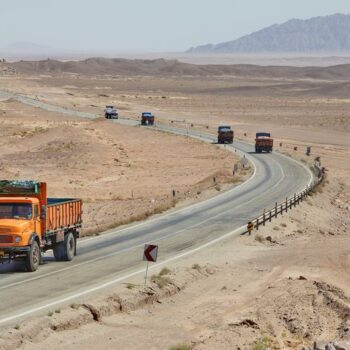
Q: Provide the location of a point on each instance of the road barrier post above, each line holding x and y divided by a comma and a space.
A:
295, 200
270, 216
250, 227
287, 205
264, 217
257, 224
276, 210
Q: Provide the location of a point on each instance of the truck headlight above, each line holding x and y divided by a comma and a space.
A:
18, 239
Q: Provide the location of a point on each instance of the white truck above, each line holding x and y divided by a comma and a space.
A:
111, 112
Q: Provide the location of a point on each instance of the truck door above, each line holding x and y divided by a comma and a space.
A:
37, 222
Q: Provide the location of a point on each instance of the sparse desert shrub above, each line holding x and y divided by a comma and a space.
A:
276, 228
259, 238
50, 314
284, 224
196, 267
164, 271
117, 198
75, 306
130, 286
160, 281
180, 347
263, 344
36, 130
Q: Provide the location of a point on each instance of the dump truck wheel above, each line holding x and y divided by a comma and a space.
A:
32, 260
64, 251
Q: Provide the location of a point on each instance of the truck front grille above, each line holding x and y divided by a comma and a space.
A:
6, 239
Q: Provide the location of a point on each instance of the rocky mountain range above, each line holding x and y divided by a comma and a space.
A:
329, 34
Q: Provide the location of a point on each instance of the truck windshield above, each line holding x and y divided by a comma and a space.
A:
15, 211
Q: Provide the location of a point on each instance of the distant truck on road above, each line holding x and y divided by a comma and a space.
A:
263, 142
31, 223
147, 118
111, 112
225, 134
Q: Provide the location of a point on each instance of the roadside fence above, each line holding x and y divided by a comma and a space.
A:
288, 203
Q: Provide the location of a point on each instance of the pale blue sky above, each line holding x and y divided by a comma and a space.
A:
147, 25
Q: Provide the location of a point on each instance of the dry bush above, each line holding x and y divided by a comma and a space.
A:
164, 271
160, 281
263, 344
180, 347
130, 286
259, 238
196, 267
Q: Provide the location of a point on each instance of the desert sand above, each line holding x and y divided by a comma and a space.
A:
280, 288
120, 172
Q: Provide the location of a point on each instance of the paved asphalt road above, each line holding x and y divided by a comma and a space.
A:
110, 258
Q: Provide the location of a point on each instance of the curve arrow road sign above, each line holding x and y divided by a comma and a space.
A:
150, 252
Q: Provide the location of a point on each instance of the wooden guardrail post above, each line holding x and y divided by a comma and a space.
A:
276, 210
264, 217
295, 200
286, 204
270, 215
257, 223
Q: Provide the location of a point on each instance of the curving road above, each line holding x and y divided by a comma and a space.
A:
115, 256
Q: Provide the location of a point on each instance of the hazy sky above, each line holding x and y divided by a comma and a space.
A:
147, 25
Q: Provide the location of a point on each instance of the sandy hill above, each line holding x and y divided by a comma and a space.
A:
319, 34
162, 67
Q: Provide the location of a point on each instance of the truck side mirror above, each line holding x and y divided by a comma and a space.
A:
43, 212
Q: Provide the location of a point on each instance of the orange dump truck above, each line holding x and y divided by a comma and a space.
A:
31, 223
263, 142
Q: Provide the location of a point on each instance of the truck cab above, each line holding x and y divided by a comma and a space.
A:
225, 134
111, 112
147, 118
31, 223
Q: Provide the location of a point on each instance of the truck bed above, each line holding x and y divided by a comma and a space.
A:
63, 213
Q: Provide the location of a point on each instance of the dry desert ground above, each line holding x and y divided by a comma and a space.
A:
280, 288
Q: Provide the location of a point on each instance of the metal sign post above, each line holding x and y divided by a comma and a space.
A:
146, 273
